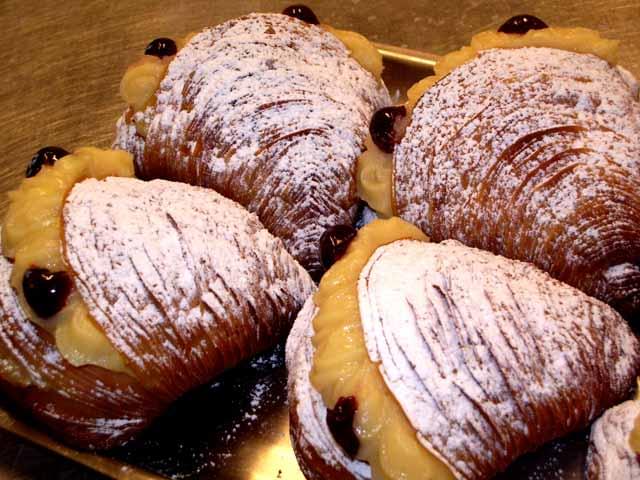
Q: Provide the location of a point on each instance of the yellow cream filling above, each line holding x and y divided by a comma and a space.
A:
634, 436
32, 235
141, 81
361, 49
374, 170
342, 368
579, 40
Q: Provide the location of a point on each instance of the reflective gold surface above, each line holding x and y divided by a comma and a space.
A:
61, 64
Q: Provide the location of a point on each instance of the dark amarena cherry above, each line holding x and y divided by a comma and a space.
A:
44, 156
340, 423
521, 24
334, 242
46, 292
161, 47
302, 12
383, 127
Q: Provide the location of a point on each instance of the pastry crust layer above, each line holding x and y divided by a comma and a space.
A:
270, 112
532, 153
488, 358
183, 282
520, 358
610, 455
142, 79
228, 287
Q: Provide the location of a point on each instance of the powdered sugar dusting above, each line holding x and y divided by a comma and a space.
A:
610, 456
532, 153
488, 357
147, 252
271, 112
185, 284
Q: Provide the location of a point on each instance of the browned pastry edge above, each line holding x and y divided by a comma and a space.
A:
67, 417
610, 455
534, 158
52, 412
90, 407
310, 461
202, 150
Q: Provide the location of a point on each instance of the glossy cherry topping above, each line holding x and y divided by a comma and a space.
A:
161, 47
46, 292
521, 24
301, 12
384, 127
334, 242
44, 156
340, 423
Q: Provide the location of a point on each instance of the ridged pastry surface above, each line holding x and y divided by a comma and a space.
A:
184, 282
270, 112
90, 401
610, 456
534, 154
488, 357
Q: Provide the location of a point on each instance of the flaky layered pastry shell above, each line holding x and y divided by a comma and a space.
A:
534, 154
183, 283
489, 358
272, 113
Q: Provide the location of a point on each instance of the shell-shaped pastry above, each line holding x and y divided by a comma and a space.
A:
183, 283
610, 455
534, 154
486, 355
488, 358
272, 113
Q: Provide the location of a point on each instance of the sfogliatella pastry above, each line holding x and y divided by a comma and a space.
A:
268, 110
526, 145
614, 446
118, 295
418, 360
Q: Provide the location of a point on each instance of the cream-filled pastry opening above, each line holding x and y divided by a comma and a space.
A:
375, 176
350, 382
374, 170
33, 237
142, 79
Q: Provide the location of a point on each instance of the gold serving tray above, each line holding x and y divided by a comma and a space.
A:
237, 428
